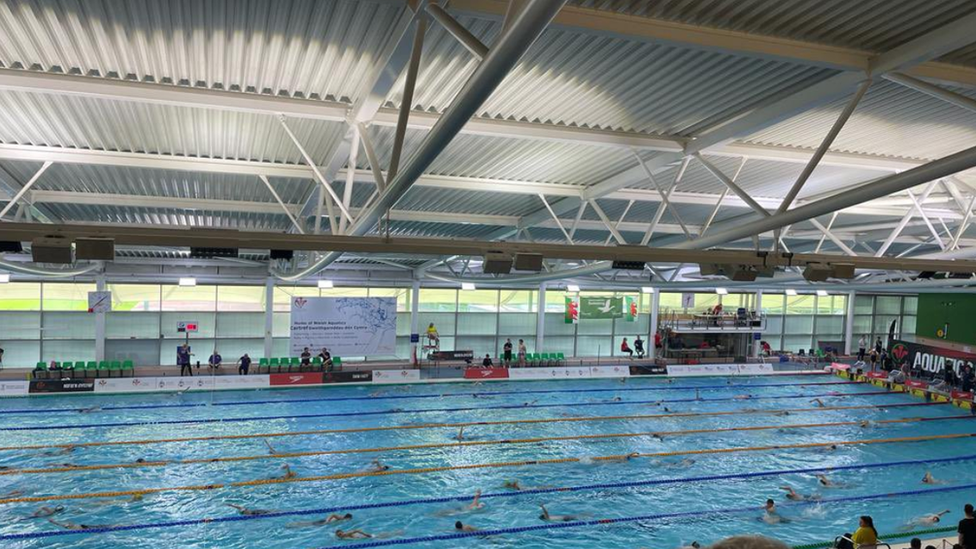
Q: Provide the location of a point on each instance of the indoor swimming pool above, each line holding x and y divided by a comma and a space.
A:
650, 462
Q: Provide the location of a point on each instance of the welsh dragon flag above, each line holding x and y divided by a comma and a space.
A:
572, 311
630, 309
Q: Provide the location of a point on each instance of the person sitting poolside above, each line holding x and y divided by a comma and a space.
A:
215, 360
244, 365
638, 348
487, 363
432, 333
306, 357
625, 349
865, 535
326, 358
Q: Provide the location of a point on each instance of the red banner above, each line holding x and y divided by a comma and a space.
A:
915, 384
485, 373
308, 378
959, 395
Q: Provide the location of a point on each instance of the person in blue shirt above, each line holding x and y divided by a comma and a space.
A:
215, 359
245, 364
183, 355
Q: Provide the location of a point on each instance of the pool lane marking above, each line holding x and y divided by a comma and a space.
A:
474, 466
474, 394
494, 495
525, 406
460, 444
682, 415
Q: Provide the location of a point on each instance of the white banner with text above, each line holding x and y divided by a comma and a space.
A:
347, 326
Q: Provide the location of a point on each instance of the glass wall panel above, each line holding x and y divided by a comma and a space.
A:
344, 291
135, 297
774, 304
190, 298
598, 326
438, 300
520, 301
594, 346
794, 343
887, 305
19, 325
800, 304
518, 323
477, 301
68, 326
238, 325
240, 298
126, 325
863, 304
20, 296
205, 321
21, 354
799, 324
65, 296
910, 306
68, 350
477, 324
555, 324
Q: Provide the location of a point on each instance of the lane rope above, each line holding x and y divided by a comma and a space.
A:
316, 432
433, 410
459, 444
467, 497
475, 466
474, 394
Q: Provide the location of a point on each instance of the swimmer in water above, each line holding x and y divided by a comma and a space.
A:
793, 495
89, 409
864, 424
512, 485
530, 403
65, 450
460, 435
73, 526
742, 397
288, 473
250, 512
818, 402
475, 505
770, 515
377, 467
825, 482
925, 520
352, 534
271, 449
476, 502
929, 479
782, 413
615, 399
321, 522
465, 527
555, 518
13, 494
45, 512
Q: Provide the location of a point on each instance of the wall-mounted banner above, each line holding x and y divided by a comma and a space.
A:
396, 376
572, 311
928, 358
13, 388
592, 307
61, 386
347, 326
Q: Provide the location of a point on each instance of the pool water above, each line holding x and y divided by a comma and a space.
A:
664, 500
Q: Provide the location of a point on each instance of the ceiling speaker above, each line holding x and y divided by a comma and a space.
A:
497, 263
528, 262
102, 249
282, 254
51, 250
817, 272
208, 253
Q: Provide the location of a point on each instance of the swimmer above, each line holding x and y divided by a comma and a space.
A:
321, 522
865, 423
271, 449
465, 527
250, 512
818, 402
742, 397
555, 518
377, 467
181, 391
288, 473
925, 520
13, 494
791, 494
826, 482
657, 436
45, 512
929, 479
65, 450
770, 516
828, 449
512, 485
137, 497
73, 526
476, 502
782, 413
352, 534
89, 409
460, 435
694, 544
530, 403
615, 399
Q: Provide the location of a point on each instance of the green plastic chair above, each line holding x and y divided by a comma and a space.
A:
560, 358
337, 363
115, 365
295, 363
262, 362
103, 367
41, 367
67, 365
545, 359
128, 366
317, 363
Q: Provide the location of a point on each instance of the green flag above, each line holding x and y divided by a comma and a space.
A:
572, 311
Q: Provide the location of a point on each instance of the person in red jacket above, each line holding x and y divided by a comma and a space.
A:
625, 348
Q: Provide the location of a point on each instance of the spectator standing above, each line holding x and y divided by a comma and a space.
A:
877, 346
967, 529
967, 379
874, 359
183, 355
639, 346
521, 353
326, 359
507, 352
658, 343
862, 345
215, 360
625, 348
487, 363
1, 357
244, 364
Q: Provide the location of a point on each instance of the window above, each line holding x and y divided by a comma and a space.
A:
20, 296
800, 305
193, 298
240, 298
477, 301
402, 296
438, 300
66, 297
284, 294
135, 297
519, 301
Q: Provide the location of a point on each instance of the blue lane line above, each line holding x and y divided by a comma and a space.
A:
430, 410
450, 499
417, 396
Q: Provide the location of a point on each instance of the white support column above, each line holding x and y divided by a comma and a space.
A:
655, 305
756, 348
414, 319
849, 325
100, 322
540, 323
268, 316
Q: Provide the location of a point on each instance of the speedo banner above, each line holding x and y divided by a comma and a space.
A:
928, 358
